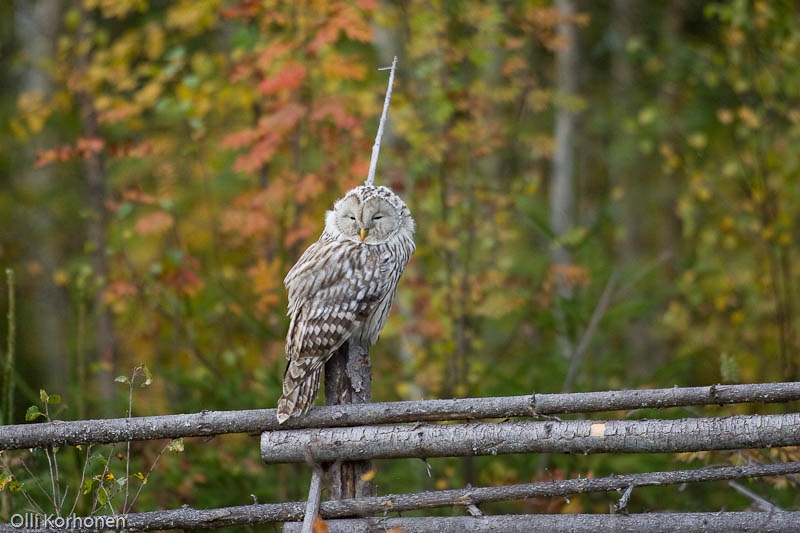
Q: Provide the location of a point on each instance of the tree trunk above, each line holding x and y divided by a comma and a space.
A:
43, 337
562, 189
94, 170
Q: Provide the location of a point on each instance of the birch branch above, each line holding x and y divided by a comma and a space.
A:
254, 421
760, 503
376, 148
582, 523
314, 496
189, 518
569, 436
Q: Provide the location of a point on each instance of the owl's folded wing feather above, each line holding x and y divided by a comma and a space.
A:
331, 289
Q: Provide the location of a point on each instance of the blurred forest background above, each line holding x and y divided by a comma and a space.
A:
606, 194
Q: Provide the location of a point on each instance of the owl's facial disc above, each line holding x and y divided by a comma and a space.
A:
371, 222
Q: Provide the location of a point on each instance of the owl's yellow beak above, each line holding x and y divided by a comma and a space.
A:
364, 232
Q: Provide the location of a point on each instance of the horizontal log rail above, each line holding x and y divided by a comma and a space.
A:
783, 522
254, 421
518, 436
264, 513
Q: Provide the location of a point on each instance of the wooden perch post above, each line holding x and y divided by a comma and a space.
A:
348, 381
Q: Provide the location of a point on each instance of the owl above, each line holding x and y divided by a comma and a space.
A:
342, 287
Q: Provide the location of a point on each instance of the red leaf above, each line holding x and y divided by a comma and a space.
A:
238, 139
334, 109
288, 78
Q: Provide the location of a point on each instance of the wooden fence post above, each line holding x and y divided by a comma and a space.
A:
348, 380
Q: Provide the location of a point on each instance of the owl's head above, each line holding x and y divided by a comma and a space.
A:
369, 214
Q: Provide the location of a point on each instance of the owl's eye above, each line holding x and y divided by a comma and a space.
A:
377, 217
351, 217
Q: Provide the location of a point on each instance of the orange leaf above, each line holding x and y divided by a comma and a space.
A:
272, 52
119, 113
90, 145
260, 154
319, 525
309, 186
344, 67
265, 276
53, 155
155, 223
266, 280
134, 195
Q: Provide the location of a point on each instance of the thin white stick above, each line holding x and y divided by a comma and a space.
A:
376, 148
314, 496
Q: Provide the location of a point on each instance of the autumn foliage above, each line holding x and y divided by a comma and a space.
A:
221, 131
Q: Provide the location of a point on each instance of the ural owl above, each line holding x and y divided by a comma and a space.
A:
342, 287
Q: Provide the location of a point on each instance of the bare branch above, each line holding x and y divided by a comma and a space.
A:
760, 503
578, 355
188, 518
376, 148
568, 436
254, 421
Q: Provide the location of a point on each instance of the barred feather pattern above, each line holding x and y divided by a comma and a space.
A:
342, 287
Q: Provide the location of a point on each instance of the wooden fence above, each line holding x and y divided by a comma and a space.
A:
409, 430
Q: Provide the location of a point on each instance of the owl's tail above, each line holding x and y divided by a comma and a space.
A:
300, 387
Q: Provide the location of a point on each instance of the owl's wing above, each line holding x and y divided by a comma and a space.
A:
331, 290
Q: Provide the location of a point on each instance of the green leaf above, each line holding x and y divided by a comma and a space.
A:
148, 376
32, 413
176, 445
574, 237
5, 480
124, 210
54, 399
728, 368
121, 379
43, 395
